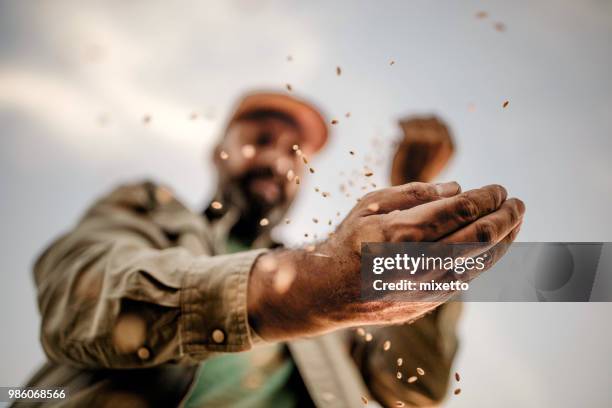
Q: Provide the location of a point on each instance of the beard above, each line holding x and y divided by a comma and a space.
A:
262, 189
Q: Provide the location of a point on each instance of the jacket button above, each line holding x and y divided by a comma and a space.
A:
143, 353
218, 336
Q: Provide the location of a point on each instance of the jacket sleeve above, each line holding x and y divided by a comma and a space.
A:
430, 344
114, 292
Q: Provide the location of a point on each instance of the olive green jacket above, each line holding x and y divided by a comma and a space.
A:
140, 293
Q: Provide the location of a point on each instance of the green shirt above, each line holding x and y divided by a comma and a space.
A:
256, 378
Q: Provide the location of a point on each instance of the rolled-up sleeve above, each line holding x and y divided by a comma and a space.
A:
115, 293
214, 304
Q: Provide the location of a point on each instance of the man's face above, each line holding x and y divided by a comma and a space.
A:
260, 157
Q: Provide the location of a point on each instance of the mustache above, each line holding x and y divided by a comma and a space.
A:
262, 172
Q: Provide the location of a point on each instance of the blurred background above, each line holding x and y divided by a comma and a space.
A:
94, 94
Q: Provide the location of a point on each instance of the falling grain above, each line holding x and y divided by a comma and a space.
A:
374, 207
248, 151
216, 205
420, 371
457, 391
263, 222
412, 379
501, 27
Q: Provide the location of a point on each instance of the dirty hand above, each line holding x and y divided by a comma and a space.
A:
324, 292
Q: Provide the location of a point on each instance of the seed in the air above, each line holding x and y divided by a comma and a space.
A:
248, 151
457, 377
334, 122
223, 155
420, 371
457, 391
361, 331
311, 170
386, 345
338, 71
399, 404
287, 220
305, 235
263, 222
368, 337
216, 205
290, 175
364, 400
368, 173
374, 207
392, 62
325, 194
296, 148
289, 87
412, 379
399, 375
283, 279
505, 104
305, 159
482, 14
501, 27
146, 119
352, 153
400, 361
316, 221
329, 222
347, 115
316, 189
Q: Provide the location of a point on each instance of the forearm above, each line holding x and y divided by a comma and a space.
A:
292, 294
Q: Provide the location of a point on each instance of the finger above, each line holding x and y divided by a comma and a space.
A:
434, 220
406, 196
491, 257
491, 228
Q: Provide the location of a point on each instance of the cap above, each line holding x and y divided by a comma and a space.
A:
312, 125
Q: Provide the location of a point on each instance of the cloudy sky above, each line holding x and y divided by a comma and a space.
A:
77, 79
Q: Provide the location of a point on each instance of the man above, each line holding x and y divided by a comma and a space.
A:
145, 303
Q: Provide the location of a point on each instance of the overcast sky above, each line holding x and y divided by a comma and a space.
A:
76, 80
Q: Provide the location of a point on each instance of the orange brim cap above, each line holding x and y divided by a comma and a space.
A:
312, 125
